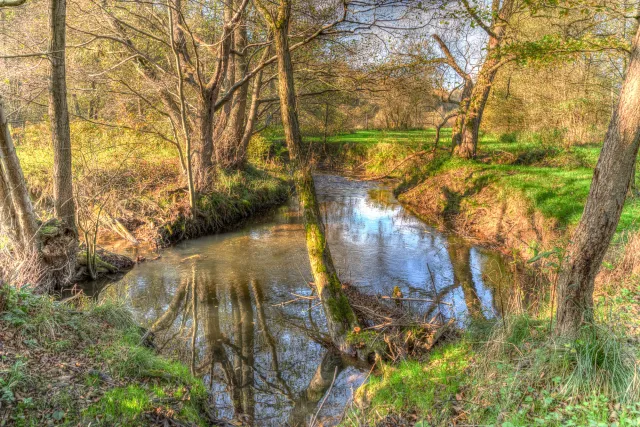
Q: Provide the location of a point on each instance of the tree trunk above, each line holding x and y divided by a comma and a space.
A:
221, 128
238, 112
252, 118
59, 117
203, 148
8, 217
475, 109
340, 316
178, 42
602, 211
231, 124
16, 187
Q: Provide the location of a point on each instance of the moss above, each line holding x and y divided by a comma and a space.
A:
340, 309
237, 196
125, 380
370, 341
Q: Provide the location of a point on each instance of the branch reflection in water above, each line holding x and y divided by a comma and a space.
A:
216, 303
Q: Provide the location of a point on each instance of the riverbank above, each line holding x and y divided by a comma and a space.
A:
524, 193
512, 372
137, 191
523, 198
81, 363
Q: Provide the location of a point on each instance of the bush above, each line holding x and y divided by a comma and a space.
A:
508, 138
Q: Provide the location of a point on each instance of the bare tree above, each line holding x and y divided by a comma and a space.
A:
475, 92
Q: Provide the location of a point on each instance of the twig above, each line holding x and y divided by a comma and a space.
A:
415, 299
315, 416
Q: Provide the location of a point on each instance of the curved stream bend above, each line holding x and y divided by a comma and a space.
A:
229, 305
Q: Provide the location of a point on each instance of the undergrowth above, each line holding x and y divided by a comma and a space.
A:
515, 372
236, 196
84, 363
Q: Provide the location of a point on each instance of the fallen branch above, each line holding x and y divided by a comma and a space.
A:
118, 228
416, 299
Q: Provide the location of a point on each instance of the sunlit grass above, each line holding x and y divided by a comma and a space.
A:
106, 342
513, 372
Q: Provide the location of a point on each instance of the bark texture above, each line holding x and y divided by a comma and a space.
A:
16, 202
609, 186
228, 150
501, 13
340, 316
59, 116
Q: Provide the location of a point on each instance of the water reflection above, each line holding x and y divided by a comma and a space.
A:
236, 307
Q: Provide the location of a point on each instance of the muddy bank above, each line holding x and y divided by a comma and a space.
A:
468, 203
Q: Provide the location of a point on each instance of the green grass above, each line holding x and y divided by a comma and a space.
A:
555, 179
558, 193
236, 196
371, 137
98, 341
513, 372
414, 386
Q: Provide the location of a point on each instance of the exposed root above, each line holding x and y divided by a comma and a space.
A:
107, 263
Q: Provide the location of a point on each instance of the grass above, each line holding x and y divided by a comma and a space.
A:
236, 196
136, 177
554, 178
370, 137
513, 372
83, 364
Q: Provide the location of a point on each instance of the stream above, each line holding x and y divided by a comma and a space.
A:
235, 307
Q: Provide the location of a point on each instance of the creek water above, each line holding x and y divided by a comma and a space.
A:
232, 306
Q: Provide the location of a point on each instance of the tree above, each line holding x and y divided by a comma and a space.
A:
42, 256
59, 117
501, 12
340, 316
475, 92
611, 179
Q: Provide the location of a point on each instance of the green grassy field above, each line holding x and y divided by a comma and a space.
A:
554, 178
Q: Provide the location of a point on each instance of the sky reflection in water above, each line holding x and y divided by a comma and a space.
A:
257, 354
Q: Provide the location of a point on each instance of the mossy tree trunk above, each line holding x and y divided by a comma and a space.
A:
609, 187
340, 316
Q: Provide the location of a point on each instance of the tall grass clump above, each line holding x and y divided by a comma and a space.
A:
531, 376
